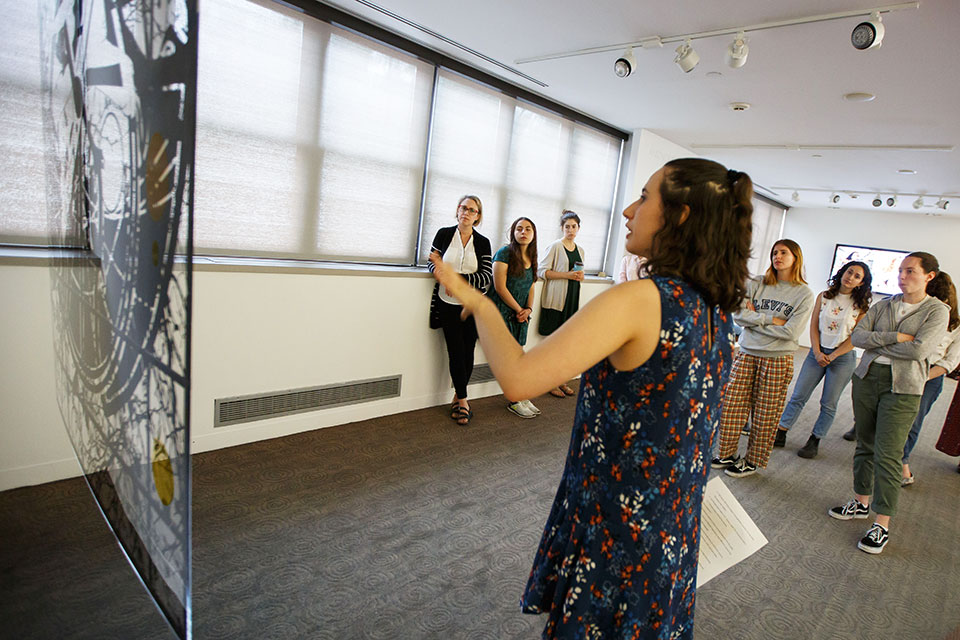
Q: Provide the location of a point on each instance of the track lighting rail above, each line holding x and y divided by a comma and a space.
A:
824, 17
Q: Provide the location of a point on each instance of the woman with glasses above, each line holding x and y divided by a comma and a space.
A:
466, 252
562, 273
618, 556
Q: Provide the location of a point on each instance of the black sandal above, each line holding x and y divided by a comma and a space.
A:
455, 410
464, 416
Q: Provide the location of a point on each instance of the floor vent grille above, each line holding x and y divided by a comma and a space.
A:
229, 411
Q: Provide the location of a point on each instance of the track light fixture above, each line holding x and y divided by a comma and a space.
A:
686, 58
868, 34
737, 51
625, 64
940, 201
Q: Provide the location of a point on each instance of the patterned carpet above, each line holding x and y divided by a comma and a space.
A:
409, 527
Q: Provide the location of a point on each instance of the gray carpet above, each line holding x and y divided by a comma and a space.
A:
411, 527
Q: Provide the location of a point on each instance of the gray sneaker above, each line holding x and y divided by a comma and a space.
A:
520, 409
532, 407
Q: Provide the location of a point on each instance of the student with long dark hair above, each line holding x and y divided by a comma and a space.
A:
467, 253
774, 314
831, 357
618, 556
942, 361
898, 335
514, 275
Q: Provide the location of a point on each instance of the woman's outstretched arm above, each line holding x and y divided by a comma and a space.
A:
622, 323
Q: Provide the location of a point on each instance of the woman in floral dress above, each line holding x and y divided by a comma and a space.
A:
618, 556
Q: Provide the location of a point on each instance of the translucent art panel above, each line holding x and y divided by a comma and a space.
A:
118, 107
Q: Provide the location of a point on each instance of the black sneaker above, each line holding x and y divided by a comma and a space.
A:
851, 510
875, 540
723, 463
809, 450
781, 438
851, 435
741, 469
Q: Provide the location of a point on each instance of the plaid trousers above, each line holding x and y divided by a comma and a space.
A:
757, 390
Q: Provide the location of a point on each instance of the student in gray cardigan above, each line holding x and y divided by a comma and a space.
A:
898, 335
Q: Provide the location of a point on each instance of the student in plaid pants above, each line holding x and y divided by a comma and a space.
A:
773, 316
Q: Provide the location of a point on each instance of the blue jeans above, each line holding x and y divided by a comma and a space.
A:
931, 391
836, 376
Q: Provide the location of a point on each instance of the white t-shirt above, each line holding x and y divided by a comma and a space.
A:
838, 317
463, 258
901, 309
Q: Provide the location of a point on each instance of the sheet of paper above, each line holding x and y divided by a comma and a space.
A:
727, 534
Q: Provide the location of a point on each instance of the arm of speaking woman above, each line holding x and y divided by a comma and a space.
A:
622, 323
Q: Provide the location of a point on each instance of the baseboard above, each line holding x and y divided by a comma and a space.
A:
39, 473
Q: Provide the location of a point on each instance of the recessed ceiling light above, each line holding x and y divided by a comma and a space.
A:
816, 155
858, 96
714, 74
739, 106
907, 172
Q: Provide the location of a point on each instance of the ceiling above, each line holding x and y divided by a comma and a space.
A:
794, 79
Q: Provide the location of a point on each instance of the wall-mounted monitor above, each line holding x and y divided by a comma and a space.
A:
884, 264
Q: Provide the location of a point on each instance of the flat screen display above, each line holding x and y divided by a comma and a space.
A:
884, 264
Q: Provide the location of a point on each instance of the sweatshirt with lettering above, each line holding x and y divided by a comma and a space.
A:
762, 338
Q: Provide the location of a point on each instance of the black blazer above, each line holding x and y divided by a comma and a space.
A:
482, 278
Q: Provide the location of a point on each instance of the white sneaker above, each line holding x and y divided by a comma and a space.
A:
529, 405
521, 410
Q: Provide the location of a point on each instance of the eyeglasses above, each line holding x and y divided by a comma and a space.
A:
469, 210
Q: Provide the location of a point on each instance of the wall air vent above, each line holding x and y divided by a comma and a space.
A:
229, 411
481, 373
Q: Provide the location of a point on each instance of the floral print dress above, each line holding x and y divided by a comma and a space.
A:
618, 556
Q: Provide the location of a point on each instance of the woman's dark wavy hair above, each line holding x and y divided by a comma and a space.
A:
515, 264
862, 294
710, 248
941, 287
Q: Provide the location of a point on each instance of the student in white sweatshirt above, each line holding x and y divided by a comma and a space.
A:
773, 316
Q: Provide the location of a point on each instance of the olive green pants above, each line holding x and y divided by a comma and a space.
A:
882, 420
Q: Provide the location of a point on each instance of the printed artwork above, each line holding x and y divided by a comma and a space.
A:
119, 80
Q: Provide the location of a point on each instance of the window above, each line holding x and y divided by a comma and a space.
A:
24, 218
310, 139
521, 161
767, 228
312, 143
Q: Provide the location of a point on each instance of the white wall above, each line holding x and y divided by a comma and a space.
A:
254, 331
648, 152
34, 447
818, 230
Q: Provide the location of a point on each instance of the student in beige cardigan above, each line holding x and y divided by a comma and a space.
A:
562, 272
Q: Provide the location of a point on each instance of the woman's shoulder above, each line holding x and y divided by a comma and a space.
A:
502, 254
480, 240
